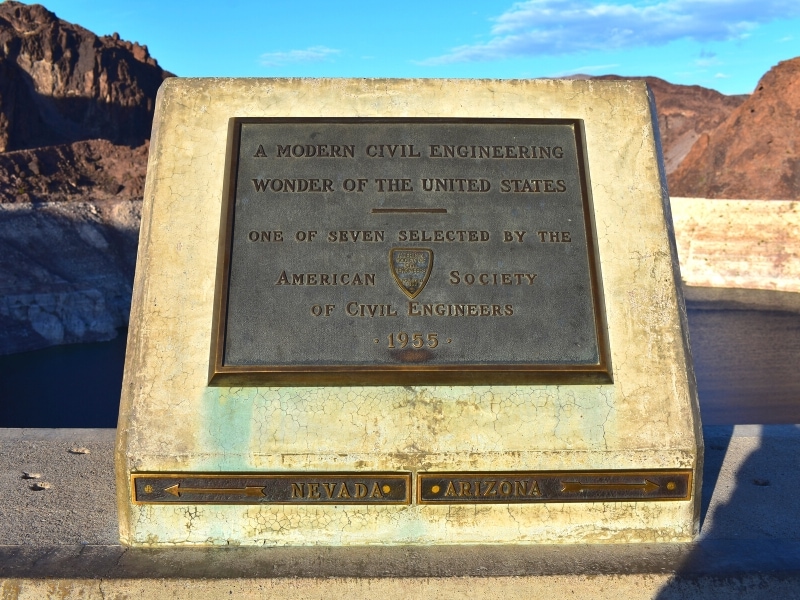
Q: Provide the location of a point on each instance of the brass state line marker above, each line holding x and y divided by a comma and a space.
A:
409, 210
576, 486
247, 491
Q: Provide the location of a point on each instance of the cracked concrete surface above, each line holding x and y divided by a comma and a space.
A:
76, 509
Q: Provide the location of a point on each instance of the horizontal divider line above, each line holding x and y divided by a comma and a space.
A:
409, 210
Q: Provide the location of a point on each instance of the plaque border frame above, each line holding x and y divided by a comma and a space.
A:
401, 374
610, 496
246, 476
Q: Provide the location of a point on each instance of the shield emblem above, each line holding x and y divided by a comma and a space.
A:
411, 268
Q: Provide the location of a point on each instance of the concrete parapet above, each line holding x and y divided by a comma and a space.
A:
61, 542
750, 244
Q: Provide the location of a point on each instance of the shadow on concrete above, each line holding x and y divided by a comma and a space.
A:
751, 532
716, 440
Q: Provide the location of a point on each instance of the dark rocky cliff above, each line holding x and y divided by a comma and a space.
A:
75, 117
61, 83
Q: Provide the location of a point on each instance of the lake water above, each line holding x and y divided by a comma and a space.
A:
747, 364
77, 385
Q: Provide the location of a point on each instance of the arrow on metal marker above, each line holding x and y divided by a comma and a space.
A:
576, 486
176, 491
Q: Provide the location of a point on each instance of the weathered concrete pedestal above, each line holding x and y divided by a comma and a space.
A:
634, 435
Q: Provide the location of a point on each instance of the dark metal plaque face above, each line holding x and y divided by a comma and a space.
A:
271, 488
519, 487
380, 251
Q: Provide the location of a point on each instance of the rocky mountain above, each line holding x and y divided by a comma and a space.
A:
685, 113
61, 83
755, 152
75, 117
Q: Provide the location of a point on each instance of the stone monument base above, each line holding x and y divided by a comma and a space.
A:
555, 461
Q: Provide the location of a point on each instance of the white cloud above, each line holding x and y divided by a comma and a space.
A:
707, 62
312, 54
721, 76
587, 70
559, 27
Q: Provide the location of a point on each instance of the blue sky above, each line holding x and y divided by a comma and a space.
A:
723, 44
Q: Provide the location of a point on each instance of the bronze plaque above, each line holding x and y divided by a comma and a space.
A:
520, 487
271, 488
360, 251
